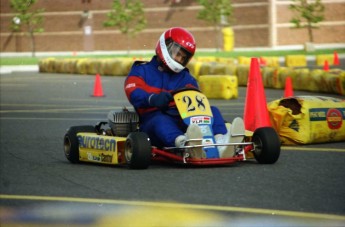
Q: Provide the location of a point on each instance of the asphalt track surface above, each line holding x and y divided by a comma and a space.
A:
306, 187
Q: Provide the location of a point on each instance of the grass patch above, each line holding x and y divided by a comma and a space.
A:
233, 54
18, 61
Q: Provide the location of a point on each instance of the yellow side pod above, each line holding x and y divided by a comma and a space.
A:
101, 149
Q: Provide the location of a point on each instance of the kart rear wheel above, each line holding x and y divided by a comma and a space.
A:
267, 145
138, 150
71, 144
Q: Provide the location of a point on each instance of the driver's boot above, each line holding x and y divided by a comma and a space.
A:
235, 134
194, 132
237, 131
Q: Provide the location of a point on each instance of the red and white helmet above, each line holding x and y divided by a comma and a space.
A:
172, 42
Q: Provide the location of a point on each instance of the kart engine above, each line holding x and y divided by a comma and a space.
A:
124, 122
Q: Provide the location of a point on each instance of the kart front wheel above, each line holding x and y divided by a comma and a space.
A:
267, 145
138, 150
71, 144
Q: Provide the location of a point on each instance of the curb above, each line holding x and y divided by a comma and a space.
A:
18, 68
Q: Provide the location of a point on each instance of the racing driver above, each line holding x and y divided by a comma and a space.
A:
148, 87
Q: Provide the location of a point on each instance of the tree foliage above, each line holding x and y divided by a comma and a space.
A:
27, 19
307, 15
128, 17
218, 13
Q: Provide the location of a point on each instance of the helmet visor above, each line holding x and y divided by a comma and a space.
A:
178, 53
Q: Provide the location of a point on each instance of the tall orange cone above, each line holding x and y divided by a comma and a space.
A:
326, 66
98, 90
288, 92
255, 109
336, 58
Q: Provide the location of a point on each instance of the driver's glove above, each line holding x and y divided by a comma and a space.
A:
160, 100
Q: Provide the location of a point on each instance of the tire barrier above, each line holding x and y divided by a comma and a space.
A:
317, 80
82, 66
214, 68
230, 61
194, 68
270, 77
242, 74
219, 86
269, 61
322, 58
116, 67
47, 65
264, 61
332, 81
295, 61
308, 119
111, 67
241, 60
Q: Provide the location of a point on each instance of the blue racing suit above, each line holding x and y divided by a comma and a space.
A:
147, 78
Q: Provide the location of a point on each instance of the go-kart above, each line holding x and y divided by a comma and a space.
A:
118, 141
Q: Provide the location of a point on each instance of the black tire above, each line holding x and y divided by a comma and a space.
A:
267, 145
138, 150
71, 144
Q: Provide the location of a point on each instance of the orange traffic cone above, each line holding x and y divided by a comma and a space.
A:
255, 109
336, 59
326, 66
98, 91
288, 87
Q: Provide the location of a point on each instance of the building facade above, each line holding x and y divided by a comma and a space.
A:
77, 25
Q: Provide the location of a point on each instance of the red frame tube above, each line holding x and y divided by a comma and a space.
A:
161, 155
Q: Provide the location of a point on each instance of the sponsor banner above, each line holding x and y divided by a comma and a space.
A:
308, 119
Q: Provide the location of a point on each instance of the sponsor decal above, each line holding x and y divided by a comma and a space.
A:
189, 44
100, 158
97, 143
207, 120
334, 118
130, 85
208, 142
317, 115
90, 157
200, 120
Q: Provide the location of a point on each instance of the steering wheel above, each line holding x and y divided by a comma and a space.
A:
172, 110
184, 89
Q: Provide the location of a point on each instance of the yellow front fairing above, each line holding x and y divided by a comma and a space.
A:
194, 108
192, 103
100, 149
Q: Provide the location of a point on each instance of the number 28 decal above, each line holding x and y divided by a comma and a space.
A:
191, 105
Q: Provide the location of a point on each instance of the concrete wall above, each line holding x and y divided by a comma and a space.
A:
253, 27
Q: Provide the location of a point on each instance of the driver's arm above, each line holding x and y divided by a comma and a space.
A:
137, 91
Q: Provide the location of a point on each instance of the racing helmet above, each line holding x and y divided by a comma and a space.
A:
175, 48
